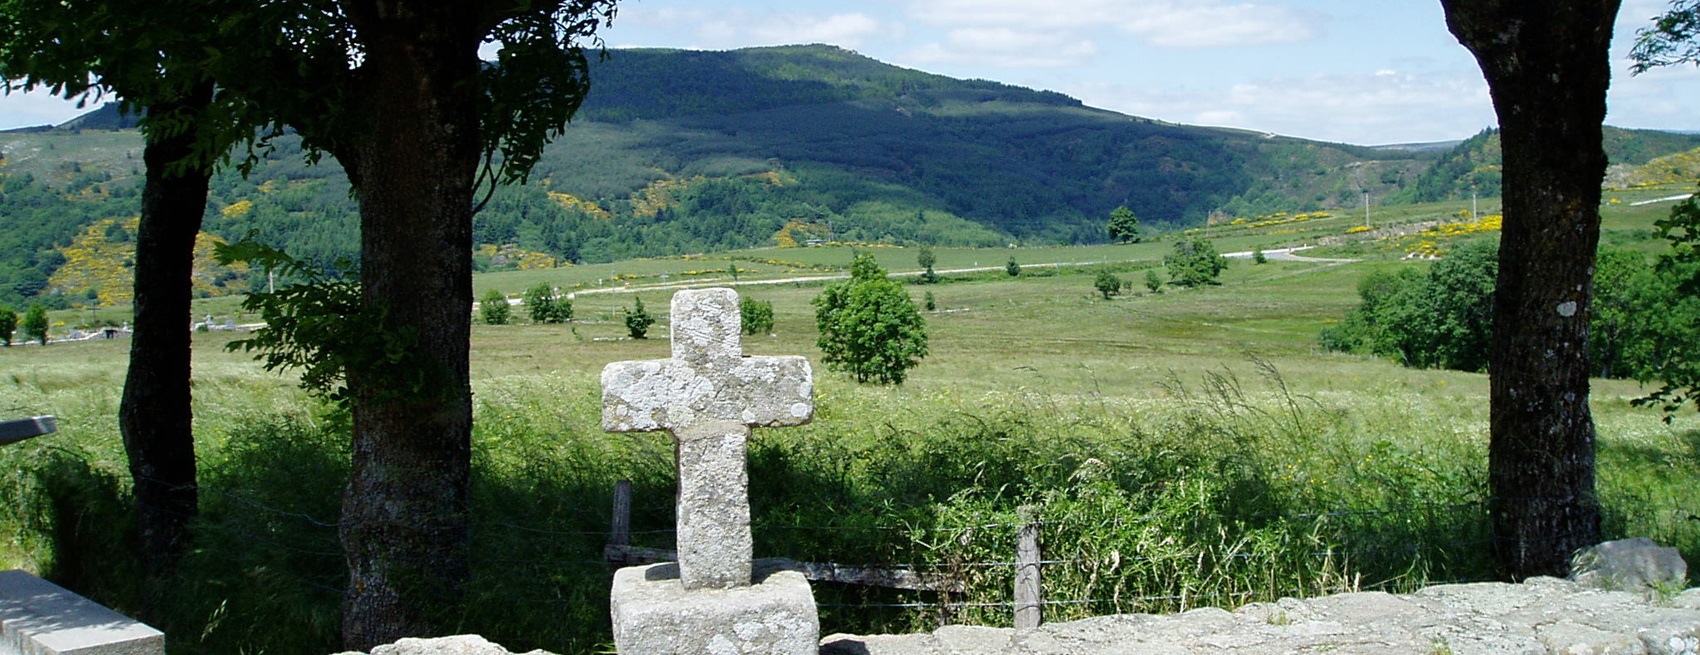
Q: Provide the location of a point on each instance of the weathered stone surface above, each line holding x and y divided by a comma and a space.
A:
1543, 616
1636, 565
708, 395
654, 614
456, 645
38, 617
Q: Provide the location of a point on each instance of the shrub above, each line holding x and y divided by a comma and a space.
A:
1012, 268
8, 323
638, 320
35, 323
869, 327
1153, 281
1194, 262
1439, 320
494, 308
1124, 226
545, 306
1107, 283
1257, 256
757, 315
932, 303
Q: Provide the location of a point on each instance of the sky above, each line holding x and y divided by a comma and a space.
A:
1367, 72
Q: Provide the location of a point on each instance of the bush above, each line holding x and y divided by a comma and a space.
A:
1442, 319
1257, 256
1153, 281
1124, 226
35, 323
869, 327
757, 315
1107, 283
1194, 262
494, 308
932, 303
8, 323
638, 320
545, 306
1012, 268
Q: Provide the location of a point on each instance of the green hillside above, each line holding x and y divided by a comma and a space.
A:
1476, 162
681, 152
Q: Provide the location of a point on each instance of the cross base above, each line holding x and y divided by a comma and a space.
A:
655, 615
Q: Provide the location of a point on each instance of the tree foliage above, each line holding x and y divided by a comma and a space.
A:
1670, 40
35, 323
756, 315
544, 305
1107, 284
494, 308
316, 322
1012, 267
869, 327
8, 323
638, 320
1124, 226
1671, 314
1439, 319
1194, 262
1153, 282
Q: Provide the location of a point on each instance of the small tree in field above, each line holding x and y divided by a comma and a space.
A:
1124, 226
1257, 256
869, 327
1194, 262
638, 320
493, 307
1012, 268
932, 303
8, 323
757, 315
1153, 281
926, 259
1107, 283
545, 306
35, 323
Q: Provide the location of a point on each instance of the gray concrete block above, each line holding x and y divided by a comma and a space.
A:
38, 617
654, 614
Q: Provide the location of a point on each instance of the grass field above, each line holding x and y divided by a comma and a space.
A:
1186, 447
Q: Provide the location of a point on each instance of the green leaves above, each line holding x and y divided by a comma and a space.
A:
1671, 39
638, 320
1124, 226
320, 325
869, 327
1194, 262
545, 306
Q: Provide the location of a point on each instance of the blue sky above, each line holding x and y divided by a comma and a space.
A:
1355, 71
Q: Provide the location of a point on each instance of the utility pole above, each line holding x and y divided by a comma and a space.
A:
1366, 208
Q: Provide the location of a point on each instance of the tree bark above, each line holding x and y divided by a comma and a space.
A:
1547, 66
154, 415
405, 510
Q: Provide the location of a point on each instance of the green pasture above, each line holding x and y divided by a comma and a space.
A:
1183, 448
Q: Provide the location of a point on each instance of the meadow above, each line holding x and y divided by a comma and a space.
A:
1183, 448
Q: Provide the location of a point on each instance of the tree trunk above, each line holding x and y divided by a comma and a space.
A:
414, 159
1547, 65
155, 415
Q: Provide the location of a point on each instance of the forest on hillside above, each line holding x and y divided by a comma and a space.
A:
681, 152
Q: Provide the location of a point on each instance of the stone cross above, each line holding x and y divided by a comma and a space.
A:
708, 395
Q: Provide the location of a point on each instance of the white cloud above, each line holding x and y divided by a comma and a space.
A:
737, 28
1005, 48
1207, 25
37, 108
1370, 108
1160, 23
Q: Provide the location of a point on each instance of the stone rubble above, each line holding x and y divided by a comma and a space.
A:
1539, 617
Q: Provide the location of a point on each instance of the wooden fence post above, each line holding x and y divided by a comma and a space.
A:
1029, 600
621, 532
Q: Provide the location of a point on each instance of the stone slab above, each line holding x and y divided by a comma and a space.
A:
20, 429
38, 617
654, 614
1542, 616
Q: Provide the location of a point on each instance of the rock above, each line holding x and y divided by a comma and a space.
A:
456, 645
1635, 565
